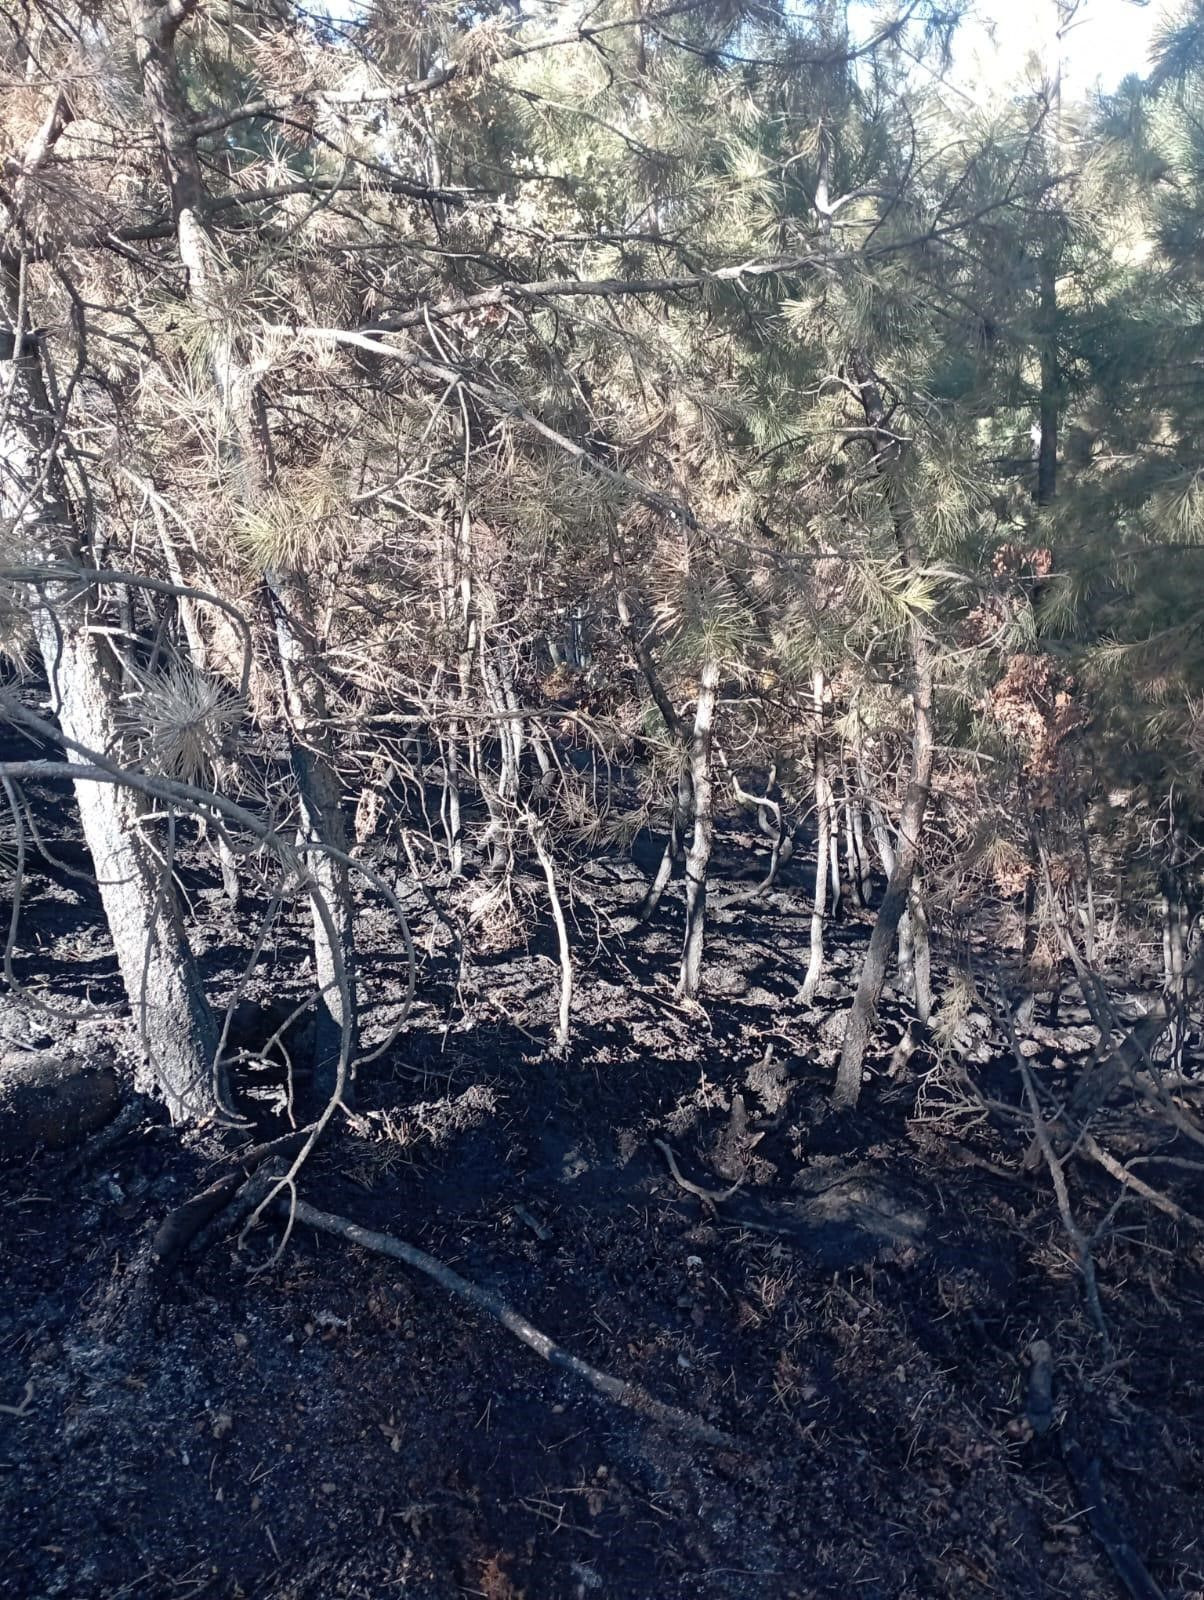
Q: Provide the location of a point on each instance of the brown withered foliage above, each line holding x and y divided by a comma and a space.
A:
1022, 561
1037, 705
1021, 568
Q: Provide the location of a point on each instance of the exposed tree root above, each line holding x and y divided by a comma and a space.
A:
620, 1392
51, 1103
127, 1308
709, 1197
94, 1150
181, 1226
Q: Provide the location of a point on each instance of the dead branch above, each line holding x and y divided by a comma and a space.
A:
1130, 1180
617, 1390
1128, 1566
1038, 1405
709, 1197
1057, 1173
23, 1406
536, 832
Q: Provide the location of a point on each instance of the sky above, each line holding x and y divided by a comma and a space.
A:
1107, 40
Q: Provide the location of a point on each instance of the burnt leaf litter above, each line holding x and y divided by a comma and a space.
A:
859, 1315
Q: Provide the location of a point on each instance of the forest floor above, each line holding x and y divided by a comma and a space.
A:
857, 1317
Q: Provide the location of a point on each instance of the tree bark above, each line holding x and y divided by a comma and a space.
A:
248, 452
865, 879
664, 872
323, 821
921, 957
834, 852
699, 854
1049, 401
177, 1029
852, 857
562, 933
685, 801
449, 808
202, 656
888, 457
815, 964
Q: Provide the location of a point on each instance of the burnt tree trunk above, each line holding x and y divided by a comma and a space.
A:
1049, 400
921, 954
684, 803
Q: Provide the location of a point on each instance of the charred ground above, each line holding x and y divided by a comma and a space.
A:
858, 1315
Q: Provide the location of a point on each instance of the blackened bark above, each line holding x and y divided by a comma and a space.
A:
815, 964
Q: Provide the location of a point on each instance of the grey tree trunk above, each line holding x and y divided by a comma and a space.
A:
1049, 403
449, 807
864, 1010
664, 872
248, 449
834, 851
323, 821
698, 856
1050, 397
853, 842
177, 1029
906, 955
1176, 928
921, 954
176, 1026
685, 801
815, 964
1028, 937
863, 855
198, 648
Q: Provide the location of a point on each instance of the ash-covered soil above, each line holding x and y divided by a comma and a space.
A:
857, 1315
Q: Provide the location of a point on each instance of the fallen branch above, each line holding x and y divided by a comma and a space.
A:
1128, 1566
709, 1197
1043, 1141
23, 1407
1057, 1172
623, 1393
1130, 1180
1038, 1405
